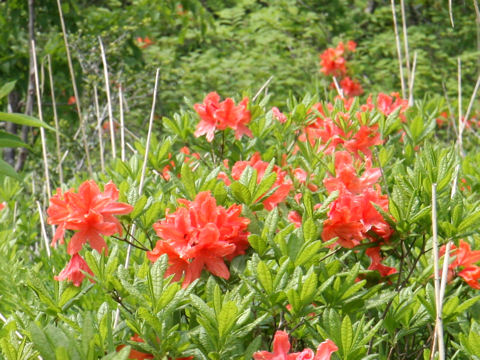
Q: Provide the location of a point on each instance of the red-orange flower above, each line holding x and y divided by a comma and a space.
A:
144, 42
352, 217
351, 87
73, 271
281, 347
283, 184
90, 212
388, 104
376, 262
466, 259
200, 235
222, 115
277, 114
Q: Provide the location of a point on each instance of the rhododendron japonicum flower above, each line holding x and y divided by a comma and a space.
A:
350, 87
352, 216
200, 235
277, 114
222, 115
281, 347
282, 182
376, 262
73, 271
90, 212
466, 259
388, 104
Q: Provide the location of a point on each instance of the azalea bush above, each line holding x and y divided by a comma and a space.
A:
302, 231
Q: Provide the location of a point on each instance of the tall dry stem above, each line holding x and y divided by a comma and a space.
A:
399, 49
55, 118
99, 127
75, 89
40, 116
142, 176
109, 100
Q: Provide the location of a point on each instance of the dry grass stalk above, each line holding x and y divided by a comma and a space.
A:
470, 104
460, 115
122, 124
99, 127
142, 177
109, 100
438, 302
455, 181
261, 89
55, 118
75, 90
44, 233
40, 116
450, 12
399, 49
412, 80
337, 87
405, 44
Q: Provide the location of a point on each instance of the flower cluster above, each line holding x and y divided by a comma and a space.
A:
465, 260
352, 217
200, 235
333, 63
216, 115
282, 183
340, 130
387, 104
281, 348
91, 214
172, 164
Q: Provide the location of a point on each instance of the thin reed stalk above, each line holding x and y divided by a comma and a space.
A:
262, 87
405, 43
438, 301
337, 87
55, 118
460, 115
109, 100
122, 124
75, 89
142, 178
399, 49
44, 232
99, 128
412, 80
40, 116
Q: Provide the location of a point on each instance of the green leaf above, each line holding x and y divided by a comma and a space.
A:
469, 221
309, 289
22, 119
7, 170
139, 207
7, 88
188, 180
258, 243
241, 192
265, 277
10, 140
41, 342
347, 335
309, 230
265, 185
270, 225
226, 318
